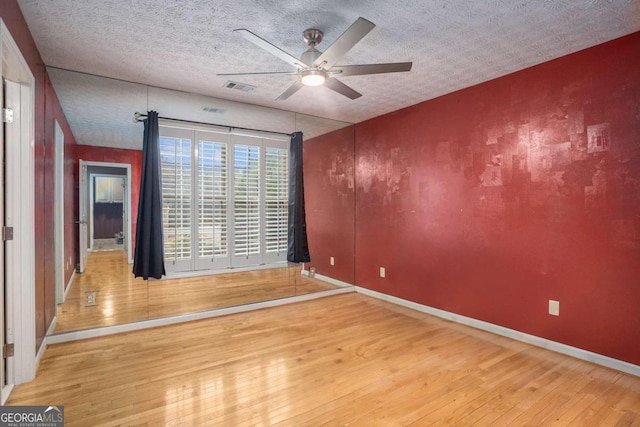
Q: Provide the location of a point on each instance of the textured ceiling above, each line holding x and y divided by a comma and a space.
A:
182, 45
100, 110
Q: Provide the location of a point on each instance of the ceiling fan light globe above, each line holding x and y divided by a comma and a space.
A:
313, 77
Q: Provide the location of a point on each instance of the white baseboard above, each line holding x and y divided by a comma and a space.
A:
328, 279
6, 392
578, 353
153, 323
68, 287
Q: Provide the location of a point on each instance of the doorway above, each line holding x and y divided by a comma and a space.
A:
105, 203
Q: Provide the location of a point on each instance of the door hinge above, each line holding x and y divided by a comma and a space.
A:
7, 233
8, 350
7, 115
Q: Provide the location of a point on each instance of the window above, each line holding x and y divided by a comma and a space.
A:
175, 164
246, 200
230, 209
212, 199
276, 200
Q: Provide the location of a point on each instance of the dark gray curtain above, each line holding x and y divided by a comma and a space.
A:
149, 252
298, 248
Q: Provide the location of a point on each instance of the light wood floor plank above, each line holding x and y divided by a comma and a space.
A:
342, 360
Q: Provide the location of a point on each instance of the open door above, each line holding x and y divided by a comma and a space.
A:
82, 216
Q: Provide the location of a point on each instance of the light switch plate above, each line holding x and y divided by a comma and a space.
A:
383, 272
332, 261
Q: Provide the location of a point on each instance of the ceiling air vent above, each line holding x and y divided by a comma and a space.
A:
239, 86
213, 110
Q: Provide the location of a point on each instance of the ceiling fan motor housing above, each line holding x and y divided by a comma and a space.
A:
313, 37
310, 55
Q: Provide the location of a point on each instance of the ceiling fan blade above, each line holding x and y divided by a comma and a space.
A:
357, 70
292, 89
258, 73
342, 44
276, 51
341, 88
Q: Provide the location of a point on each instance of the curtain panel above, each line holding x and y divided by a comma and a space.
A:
297, 245
149, 251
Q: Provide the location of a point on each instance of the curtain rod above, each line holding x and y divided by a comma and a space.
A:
137, 117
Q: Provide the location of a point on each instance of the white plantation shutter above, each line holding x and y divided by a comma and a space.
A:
276, 200
246, 194
212, 200
175, 164
225, 198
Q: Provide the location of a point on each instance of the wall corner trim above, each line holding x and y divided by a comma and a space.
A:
568, 350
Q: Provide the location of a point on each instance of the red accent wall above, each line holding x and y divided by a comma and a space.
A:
492, 200
47, 109
330, 202
111, 155
53, 112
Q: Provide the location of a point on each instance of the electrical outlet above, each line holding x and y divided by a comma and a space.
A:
91, 298
332, 261
554, 307
383, 272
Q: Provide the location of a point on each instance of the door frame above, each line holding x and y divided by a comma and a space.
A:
19, 213
87, 191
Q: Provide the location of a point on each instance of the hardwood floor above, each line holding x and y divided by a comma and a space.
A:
119, 298
341, 360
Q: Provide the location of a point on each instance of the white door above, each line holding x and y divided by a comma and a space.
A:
18, 261
10, 199
3, 377
82, 215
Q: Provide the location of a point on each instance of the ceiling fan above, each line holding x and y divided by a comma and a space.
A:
315, 68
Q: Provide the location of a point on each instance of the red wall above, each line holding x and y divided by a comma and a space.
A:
111, 155
490, 201
47, 109
53, 113
329, 201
